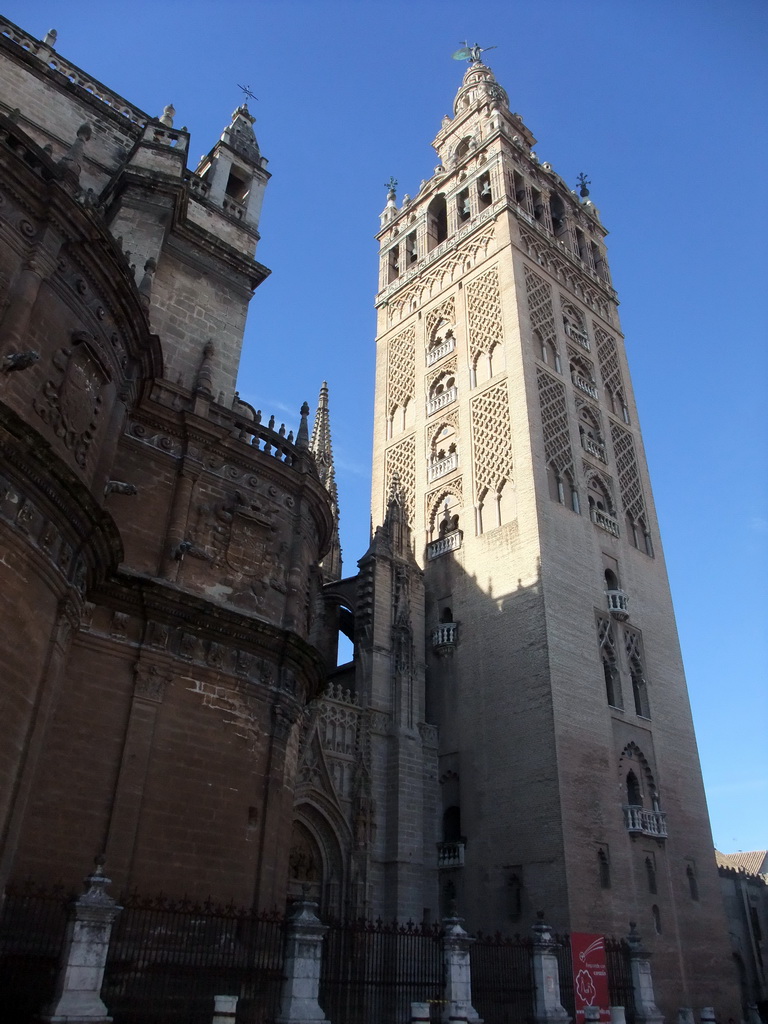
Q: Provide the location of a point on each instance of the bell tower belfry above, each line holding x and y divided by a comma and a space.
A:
504, 410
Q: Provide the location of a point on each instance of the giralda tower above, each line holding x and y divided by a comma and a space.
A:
505, 417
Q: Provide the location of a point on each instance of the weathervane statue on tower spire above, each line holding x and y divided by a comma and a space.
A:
472, 54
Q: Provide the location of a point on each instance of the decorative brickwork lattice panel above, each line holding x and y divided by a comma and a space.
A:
540, 306
554, 421
401, 459
629, 479
402, 369
433, 279
633, 649
605, 637
484, 313
546, 255
491, 440
608, 358
444, 313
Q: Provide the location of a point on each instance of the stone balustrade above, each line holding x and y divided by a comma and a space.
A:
649, 823
618, 604
72, 73
451, 542
451, 854
443, 466
440, 401
604, 521
437, 353
580, 337
444, 636
593, 447
584, 385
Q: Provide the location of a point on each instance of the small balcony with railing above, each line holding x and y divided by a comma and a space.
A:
605, 521
592, 447
450, 854
444, 638
618, 604
584, 385
450, 542
577, 335
440, 401
641, 821
436, 353
442, 467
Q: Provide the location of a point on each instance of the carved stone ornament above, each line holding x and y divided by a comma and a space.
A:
151, 682
250, 538
71, 400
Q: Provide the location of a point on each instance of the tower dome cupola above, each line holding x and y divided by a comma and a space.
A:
479, 87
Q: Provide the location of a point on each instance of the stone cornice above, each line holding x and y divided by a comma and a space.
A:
187, 628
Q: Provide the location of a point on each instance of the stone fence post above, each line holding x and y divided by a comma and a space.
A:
546, 977
224, 1010
84, 957
303, 957
646, 1010
458, 980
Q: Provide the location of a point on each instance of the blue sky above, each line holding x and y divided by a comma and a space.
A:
662, 104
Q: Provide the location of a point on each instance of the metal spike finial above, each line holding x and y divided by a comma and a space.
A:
391, 185
246, 91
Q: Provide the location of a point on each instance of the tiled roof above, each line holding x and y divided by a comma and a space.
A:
755, 862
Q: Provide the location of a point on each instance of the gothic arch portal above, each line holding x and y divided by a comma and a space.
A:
318, 858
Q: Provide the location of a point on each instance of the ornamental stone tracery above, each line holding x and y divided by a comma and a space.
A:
554, 422
491, 440
540, 308
629, 477
484, 314
608, 359
401, 459
401, 369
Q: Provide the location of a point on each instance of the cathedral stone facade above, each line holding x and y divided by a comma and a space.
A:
513, 732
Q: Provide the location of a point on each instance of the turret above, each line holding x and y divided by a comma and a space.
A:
235, 171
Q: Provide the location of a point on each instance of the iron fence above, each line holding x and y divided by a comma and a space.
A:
620, 976
372, 971
33, 925
168, 959
502, 979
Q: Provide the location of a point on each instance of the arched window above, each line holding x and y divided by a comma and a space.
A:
634, 793
693, 885
463, 148
437, 222
547, 352
604, 869
452, 825
650, 874
446, 615
656, 919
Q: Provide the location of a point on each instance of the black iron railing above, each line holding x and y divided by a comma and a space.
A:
33, 924
177, 955
620, 976
502, 979
372, 971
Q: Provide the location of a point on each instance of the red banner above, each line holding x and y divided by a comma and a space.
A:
590, 976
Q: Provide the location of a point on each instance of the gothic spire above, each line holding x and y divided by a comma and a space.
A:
320, 442
320, 446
